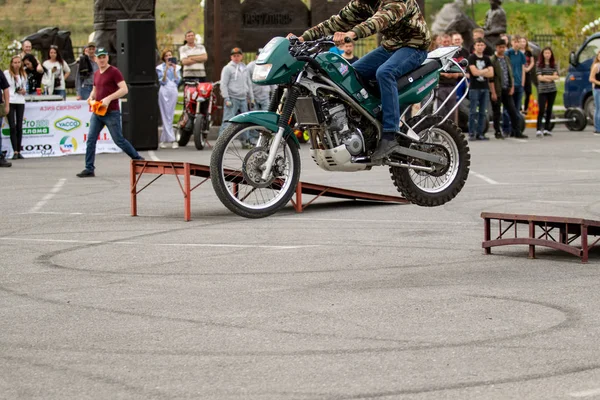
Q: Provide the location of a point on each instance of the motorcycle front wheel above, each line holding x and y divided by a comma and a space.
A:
200, 132
235, 169
183, 130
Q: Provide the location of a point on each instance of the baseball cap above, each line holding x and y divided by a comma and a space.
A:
91, 44
101, 51
236, 50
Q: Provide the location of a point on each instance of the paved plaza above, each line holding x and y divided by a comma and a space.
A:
348, 300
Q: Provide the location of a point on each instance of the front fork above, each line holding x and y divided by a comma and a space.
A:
288, 108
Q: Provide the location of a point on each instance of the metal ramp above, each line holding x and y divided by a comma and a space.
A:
555, 232
186, 170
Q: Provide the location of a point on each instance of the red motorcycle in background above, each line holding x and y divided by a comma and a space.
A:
199, 102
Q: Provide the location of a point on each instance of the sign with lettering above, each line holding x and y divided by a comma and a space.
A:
264, 19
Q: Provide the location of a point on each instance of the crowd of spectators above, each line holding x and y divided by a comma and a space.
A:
501, 76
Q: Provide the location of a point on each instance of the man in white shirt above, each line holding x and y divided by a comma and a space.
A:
193, 56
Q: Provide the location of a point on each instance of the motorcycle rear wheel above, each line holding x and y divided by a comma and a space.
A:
427, 189
234, 169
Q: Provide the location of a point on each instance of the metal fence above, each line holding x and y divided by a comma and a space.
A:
542, 39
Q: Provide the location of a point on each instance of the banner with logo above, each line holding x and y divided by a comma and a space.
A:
56, 128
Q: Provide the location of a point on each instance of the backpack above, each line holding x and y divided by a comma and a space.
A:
85, 67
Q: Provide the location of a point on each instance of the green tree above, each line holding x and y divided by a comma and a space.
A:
568, 35
5, 52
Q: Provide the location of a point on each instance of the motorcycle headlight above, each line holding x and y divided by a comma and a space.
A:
261, 72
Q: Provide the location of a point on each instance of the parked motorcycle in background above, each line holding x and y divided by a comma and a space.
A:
199, 103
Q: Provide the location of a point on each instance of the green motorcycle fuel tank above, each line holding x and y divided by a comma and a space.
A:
343, 74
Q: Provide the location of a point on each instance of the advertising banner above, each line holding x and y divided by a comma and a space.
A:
56, 128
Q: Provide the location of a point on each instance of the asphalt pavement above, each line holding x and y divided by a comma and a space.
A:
348, 300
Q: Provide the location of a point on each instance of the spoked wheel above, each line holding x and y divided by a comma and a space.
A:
441, 185
235, 169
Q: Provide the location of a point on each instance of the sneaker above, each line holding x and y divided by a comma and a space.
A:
498, 135
385, 148
86, 174
539, 134
162, 145
4, 163
481, 137
175, 145
547, 133
15, 156
597, 133
21, 156
472, 137
521, 136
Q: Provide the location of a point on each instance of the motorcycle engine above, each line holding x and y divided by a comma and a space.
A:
340, 130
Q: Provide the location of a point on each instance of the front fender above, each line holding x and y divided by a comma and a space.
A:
267, 119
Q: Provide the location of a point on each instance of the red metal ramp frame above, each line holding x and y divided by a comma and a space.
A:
186, 170
568, 230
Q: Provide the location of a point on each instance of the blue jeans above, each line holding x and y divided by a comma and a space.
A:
112, 120
238, 106
61, 92
597, 110
387, 67
85, 92
518, 100
477, 111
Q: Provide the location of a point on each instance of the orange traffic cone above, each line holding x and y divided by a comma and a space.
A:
532, 113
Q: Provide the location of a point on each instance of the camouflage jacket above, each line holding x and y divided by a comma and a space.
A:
400, 23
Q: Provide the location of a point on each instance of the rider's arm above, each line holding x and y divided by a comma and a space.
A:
389, 13
351, 15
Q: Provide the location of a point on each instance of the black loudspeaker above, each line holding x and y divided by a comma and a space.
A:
136, 50
140, 114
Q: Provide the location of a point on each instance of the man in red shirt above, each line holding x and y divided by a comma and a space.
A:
109, 87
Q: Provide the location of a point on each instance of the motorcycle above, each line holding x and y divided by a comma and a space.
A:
199, 102
342, 114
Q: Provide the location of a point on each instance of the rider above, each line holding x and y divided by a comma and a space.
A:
404, 43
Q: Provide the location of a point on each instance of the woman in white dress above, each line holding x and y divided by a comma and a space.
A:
168, 77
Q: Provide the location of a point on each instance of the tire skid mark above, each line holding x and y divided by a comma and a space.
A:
87, 375
571, 319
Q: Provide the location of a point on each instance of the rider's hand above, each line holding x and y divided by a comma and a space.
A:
494, 97
105, 102
511, 91
228, 103
339, 37
300, 38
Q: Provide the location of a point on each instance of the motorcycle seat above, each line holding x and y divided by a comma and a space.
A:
428, 66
